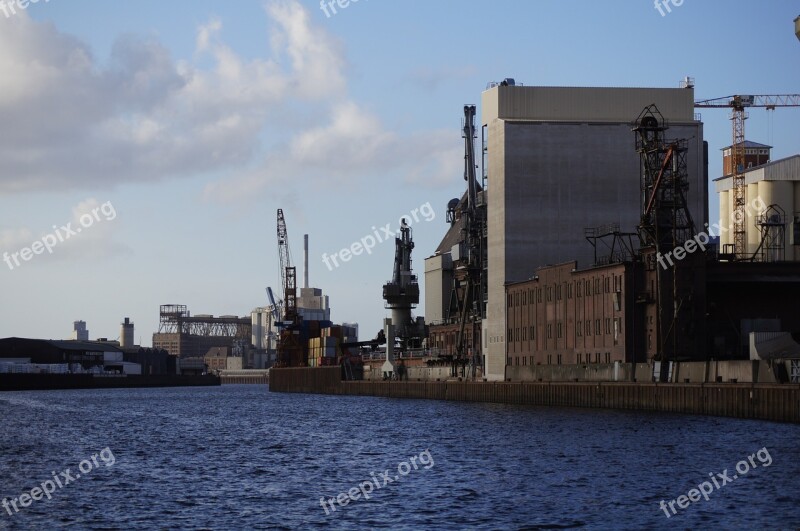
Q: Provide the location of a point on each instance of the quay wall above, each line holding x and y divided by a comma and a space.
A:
775, 402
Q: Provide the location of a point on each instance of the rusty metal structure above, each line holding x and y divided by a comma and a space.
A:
184, 335
665, 230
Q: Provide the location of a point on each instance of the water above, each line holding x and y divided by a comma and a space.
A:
238, 457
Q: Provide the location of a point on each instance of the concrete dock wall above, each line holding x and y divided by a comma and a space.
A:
745, 371
246, 376
748, 401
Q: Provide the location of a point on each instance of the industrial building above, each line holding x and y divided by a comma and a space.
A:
184, 335
557, 160
79, 331
566, 316
772, 213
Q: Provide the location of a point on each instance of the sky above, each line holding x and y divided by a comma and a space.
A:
171, 132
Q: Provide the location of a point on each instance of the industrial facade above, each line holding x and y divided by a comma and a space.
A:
559, 160
772, 199
566, 316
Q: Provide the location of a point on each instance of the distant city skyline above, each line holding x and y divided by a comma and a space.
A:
196, 120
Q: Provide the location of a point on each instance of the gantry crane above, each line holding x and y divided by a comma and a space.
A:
738, 105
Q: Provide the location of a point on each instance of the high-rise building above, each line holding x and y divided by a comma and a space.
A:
79, 331
559, 160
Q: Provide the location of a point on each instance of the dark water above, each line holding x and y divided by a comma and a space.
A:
238, 457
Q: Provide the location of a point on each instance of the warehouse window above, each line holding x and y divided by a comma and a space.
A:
796, 229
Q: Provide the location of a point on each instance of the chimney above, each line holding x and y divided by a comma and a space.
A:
305, 258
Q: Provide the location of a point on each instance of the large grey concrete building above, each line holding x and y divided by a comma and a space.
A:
560, 160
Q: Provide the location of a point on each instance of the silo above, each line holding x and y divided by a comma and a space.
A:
126, 334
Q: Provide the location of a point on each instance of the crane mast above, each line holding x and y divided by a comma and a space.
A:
472, 262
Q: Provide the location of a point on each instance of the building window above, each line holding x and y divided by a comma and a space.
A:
607, 285
578, 329
533, 333
796, 229
558, 292
588, 328
549, 331
558, 331
549, 294
580, 358
509, 360
510, 335
597, 327
608, 326
549, 359
608, 357
569, 290
510, 300
524, 360
559, 359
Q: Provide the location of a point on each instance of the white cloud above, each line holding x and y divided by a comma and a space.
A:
69, 120
90, 233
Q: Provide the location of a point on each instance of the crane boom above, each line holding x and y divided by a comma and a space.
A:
738, 105
288, 272
768, 101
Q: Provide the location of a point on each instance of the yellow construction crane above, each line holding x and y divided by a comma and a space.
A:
738, 105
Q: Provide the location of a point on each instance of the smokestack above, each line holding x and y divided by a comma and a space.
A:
305, 258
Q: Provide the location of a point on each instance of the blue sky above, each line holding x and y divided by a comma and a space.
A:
198, 119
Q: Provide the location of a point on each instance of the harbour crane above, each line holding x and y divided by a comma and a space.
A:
289, 348
738, 105
472, 261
